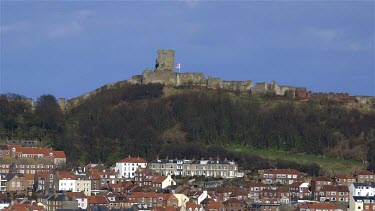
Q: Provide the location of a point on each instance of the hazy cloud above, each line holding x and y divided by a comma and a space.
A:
74, 25
335, 39
14, 27
64, 30
322, 34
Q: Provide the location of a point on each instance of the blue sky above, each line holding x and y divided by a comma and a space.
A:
67, 48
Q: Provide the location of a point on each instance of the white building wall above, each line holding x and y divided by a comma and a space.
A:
66, 184
127, 169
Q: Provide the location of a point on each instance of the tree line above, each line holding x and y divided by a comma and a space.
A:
139, 120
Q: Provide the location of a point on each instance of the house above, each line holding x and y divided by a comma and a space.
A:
234, 204
68, 181
187, 168
43, 181
318, 207
16, 182
254, 189
224, 193
80, 197
318, 182
97, 201
190, 206
127, 166
362, 203
16, 151
54, 201
332, 194
343, 179
275, 196
365, 176
198, 196
299, 190
158, 182
281, 176
362, 189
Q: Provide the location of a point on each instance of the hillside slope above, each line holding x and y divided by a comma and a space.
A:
151, 120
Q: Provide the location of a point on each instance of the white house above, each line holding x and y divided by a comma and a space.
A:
127, 166
69, 182
362, 189
360, 203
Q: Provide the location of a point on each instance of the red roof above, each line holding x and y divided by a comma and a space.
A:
132, 160
335, 188
43, 174
281, 171
319, 206
295, 184
76, 194
365, 172
59, 154
344, 176
66, 175
97, 200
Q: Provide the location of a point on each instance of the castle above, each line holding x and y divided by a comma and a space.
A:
164, 73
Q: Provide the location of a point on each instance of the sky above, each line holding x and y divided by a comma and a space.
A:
67, 48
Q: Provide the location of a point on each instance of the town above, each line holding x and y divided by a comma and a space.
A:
34, 178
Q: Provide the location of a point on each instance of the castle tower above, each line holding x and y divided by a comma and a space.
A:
165, 61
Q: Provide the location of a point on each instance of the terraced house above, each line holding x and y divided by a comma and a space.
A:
281, 176
187, 168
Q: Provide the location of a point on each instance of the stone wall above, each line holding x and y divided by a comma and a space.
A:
197, 79
242, 86
166, 78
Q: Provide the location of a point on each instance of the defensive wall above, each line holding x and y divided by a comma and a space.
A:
164, 74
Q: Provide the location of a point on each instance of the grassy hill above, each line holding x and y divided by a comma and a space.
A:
151, 120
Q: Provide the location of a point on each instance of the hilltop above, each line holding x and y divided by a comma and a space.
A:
148, 115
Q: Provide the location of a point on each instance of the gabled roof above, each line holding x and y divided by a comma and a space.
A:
295, 184
321, 179
11, 175
132, 160
66, 175
192, 205
281, 171
319, 206
344, 176
255, 184
234, 201
365, 172
97, 200
76, 194
29, 176
59, 154
43, 174
335, 188
362, 198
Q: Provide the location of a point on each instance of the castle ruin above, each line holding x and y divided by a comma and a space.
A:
164, 74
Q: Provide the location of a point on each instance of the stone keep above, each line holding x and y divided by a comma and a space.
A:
165, 61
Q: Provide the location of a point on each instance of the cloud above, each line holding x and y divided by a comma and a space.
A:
322, 34
191, 3
74, 26
14, 27
64, 30
335, 39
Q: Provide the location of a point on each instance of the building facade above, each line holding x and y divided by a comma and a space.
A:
187, 168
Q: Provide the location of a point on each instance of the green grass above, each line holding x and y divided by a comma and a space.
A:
330, 165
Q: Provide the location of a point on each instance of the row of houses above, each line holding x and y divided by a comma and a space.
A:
184, 168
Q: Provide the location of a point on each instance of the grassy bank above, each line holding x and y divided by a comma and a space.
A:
328, 164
